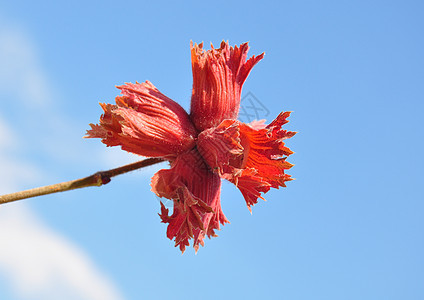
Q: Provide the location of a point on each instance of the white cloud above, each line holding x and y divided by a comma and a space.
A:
21, 74
13, 170
38, 262
41, 264
6, 136
23, 81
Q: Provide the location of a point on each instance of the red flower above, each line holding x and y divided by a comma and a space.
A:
203, 147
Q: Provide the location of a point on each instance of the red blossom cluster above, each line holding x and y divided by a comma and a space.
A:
202, 147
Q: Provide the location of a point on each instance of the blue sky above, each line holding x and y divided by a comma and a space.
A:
350, 225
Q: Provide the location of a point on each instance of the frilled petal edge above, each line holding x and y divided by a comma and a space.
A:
218, 77
195, 191
251, 157
145, 122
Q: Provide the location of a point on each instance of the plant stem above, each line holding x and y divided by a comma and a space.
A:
97, 179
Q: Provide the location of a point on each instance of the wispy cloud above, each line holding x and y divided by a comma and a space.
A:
38, 262
17, 170
42, 264
24, 82
18, 59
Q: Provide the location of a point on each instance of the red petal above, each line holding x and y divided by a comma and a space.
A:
220, 145
250, 185
195, 191
254, 159
145, 122
218, 77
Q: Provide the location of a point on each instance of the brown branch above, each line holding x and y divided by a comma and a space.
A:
97, 179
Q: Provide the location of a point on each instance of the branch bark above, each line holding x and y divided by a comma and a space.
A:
97, 179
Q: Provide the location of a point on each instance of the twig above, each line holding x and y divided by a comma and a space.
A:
97, 179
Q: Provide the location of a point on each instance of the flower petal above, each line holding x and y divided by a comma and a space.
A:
220, 145
145, 122
218, 77
195, 191
266, 152
253, 158
249, 183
